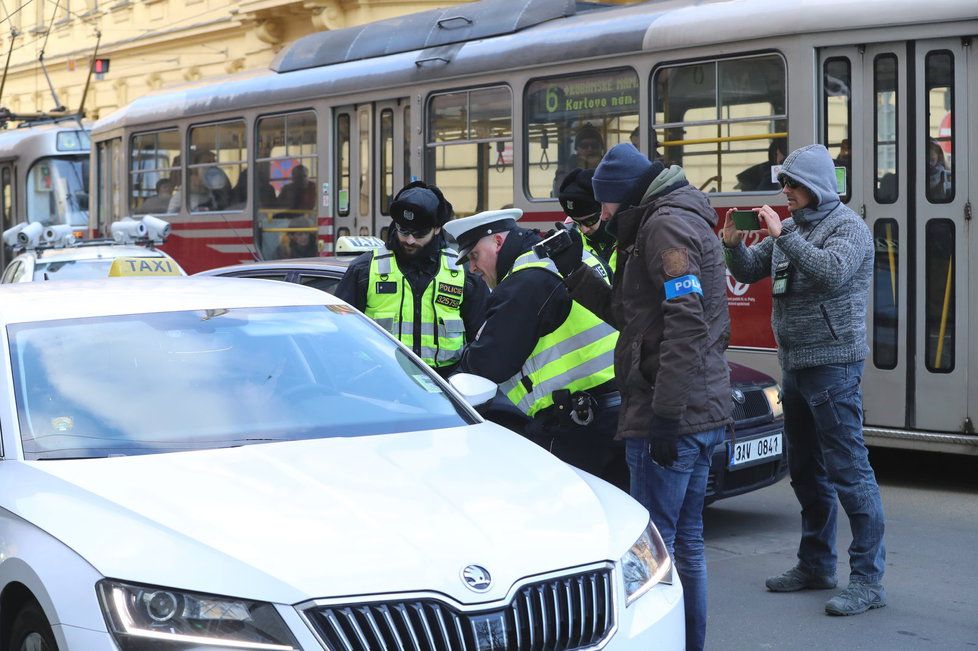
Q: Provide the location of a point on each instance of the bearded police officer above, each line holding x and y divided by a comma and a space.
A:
413, 286
576, 197
552, 358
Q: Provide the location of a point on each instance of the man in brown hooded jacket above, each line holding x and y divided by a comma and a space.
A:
669, 301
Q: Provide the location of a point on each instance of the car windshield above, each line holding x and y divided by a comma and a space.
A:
57, 190
150, 383
72, 269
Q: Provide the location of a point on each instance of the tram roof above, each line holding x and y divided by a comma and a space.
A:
426, 29
44, 137
658, 25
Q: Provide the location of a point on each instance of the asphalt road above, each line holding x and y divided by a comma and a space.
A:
931, 504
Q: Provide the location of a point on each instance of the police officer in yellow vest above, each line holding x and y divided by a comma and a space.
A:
413, 286
552, 358
576, 197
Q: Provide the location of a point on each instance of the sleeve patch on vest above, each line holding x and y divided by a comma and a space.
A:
675, 262
676, 287
447, 288
448, 301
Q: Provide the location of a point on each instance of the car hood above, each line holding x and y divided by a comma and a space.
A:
290, 521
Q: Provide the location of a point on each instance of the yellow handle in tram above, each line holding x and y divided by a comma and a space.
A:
944, 313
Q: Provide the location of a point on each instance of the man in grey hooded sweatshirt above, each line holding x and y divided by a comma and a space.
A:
821, 263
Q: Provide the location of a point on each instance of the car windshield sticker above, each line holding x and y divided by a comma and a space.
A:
426, 383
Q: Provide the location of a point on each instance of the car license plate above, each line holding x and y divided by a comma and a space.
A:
751, 451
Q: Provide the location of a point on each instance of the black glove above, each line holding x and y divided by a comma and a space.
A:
568, 260
663, 433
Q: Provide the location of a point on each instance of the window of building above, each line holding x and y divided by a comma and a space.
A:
572, 121
725, 121
470, 148
218, 156
154, 172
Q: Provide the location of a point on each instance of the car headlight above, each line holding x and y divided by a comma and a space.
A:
646, 564
773, 395
144, 618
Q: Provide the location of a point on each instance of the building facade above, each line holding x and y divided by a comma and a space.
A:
155, 43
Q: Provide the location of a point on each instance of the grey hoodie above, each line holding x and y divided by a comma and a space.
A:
822, 318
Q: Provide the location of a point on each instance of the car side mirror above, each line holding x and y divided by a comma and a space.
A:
476, 390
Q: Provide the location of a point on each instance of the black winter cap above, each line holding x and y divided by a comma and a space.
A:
576, 195
419, 206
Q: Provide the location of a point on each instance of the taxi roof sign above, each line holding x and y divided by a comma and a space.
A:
354, 244
135, 266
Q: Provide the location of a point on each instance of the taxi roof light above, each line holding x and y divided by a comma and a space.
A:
355, 245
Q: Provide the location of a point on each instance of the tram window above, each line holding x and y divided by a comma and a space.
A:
886, 292
342, 165
885, 120
217, 160
837, 119
571, 121
57, 190
470, 148
407, 144
940, 300
386, 160
154, 172
110, 199
939, 148
286, 181
6, 196
724, 121
363, 122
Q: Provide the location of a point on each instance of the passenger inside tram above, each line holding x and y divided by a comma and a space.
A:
298, 244
588, 151
758, 177
300, 192
159, 203
938, 173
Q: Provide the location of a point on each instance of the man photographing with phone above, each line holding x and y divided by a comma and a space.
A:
821, 264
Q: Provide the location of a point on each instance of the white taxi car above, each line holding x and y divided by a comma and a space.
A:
88, 260
210, 463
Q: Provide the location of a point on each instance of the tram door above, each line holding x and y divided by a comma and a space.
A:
369, 164
944, 237
886, 110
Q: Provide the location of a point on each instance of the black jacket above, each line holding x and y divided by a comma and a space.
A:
522, 308
419, 271
669, 360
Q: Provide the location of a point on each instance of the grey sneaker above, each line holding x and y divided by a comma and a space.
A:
857, 598
797, 579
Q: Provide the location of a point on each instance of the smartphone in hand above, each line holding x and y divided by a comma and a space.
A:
746, 220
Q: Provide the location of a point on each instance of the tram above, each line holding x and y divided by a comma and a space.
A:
44, 176
494, 105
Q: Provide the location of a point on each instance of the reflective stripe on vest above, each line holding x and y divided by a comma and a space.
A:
578, 355
609, 264
441, 331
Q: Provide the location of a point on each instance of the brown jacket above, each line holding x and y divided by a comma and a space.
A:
670, 354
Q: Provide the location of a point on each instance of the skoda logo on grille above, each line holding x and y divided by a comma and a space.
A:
476, 578
738, 396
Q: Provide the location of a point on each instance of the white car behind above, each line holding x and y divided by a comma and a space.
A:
242, 464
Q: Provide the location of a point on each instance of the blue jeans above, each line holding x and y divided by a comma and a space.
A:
674, 497
827, 459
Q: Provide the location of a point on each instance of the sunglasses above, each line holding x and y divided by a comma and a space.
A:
787, 181
588, 220
408, 232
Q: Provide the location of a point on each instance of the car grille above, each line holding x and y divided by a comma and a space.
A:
571, 612
755, 405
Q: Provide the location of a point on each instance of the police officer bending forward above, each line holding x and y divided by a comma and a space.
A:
413, 287
552, 358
